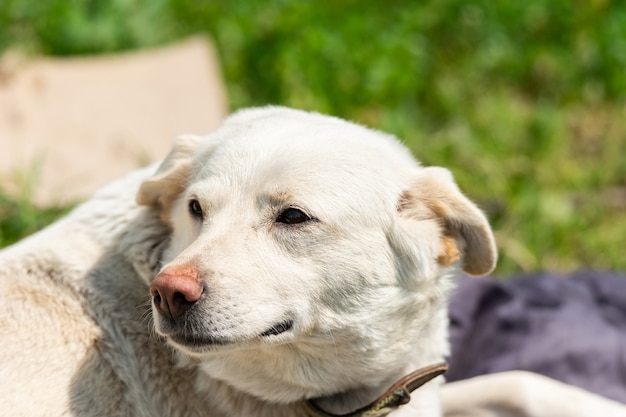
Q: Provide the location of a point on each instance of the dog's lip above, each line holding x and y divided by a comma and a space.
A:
202, 342
278, 328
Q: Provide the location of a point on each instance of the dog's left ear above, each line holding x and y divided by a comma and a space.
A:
171, 177
466, 234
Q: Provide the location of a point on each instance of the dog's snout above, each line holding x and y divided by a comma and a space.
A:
175, 290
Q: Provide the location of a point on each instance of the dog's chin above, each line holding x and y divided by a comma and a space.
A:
199, 342
195, 343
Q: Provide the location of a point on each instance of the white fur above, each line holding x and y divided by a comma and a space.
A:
365, 283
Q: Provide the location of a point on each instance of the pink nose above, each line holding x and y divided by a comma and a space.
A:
175, 290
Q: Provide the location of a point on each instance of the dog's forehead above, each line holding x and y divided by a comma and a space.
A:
299, 146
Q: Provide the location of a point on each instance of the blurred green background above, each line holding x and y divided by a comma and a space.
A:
523, 101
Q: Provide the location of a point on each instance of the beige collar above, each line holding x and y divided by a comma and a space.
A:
399, 394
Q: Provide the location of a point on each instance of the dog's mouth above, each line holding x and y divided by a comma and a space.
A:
201, 342
278, 329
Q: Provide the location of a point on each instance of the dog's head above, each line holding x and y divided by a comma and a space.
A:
308, 255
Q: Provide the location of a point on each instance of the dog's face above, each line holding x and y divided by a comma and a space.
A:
308, 255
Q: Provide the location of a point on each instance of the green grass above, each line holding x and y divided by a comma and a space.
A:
523, 101
19, 217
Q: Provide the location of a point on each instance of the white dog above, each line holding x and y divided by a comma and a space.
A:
302, 267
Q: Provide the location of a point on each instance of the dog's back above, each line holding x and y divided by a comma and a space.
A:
70, 299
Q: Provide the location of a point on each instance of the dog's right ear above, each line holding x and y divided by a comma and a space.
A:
171, 177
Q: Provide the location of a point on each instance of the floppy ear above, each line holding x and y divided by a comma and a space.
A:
466, 234
171, 177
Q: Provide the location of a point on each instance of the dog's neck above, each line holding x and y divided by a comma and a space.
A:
423, 402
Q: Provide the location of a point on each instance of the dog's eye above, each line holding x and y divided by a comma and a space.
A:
195, 208
292, 216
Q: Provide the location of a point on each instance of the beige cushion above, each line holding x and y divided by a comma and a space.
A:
72, 125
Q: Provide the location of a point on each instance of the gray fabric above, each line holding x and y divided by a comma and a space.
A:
570, 328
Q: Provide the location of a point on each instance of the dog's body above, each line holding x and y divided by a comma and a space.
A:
296, 257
